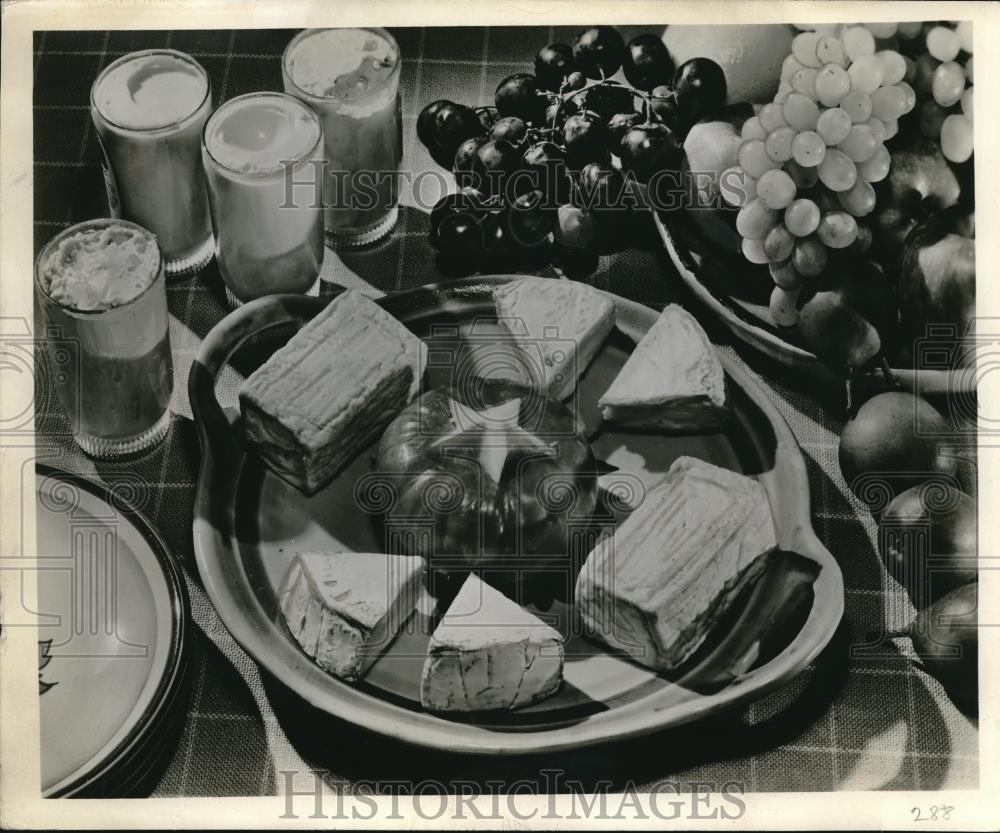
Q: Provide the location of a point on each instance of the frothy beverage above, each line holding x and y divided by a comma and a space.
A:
350, 77
268, 230
101, 285
97, 269
149, 109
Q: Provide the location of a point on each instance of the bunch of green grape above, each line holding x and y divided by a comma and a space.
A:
945, 73
809, 157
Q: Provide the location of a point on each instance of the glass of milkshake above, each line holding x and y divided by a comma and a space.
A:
263, 157
350, 77
149, 109
101, 286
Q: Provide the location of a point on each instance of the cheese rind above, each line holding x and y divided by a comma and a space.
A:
489, 653
654, 588
331, 390
673, 379
558, 326
345, 608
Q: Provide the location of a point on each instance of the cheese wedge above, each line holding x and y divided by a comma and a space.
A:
344, 608
558, 327
673, 379
654, 589
331, 390
497, 423
489, 653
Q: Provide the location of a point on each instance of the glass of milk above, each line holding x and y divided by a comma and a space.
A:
350, 77
149, 109
263, 156
102, 289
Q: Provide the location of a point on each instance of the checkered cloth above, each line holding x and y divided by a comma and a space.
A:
856, 720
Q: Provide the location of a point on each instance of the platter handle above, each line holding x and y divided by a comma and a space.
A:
225, 338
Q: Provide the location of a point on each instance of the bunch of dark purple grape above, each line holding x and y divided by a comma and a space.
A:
558, 156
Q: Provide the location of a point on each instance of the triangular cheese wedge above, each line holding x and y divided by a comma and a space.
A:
558, 325
497, 435
673, 379
489, 653
344, 608
496, 423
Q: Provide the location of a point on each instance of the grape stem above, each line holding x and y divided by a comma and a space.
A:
649, 114
892, 383
890, 378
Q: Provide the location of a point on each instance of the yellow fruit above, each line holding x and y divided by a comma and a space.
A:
751, 56
712, 147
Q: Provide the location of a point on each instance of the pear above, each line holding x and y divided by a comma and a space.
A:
710, 148
937, 278
920, 184
946, 638
852, 317
890, 445
927, 540
839, 335
870, 291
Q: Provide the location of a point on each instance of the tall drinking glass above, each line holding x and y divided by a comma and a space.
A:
263, 157
350, 77
101, 286
149, 109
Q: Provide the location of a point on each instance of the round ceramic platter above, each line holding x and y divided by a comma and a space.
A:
249, 524
112, 629
708, 261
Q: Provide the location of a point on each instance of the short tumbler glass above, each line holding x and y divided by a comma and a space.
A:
362, 126
151, 146
266, 209
112, 366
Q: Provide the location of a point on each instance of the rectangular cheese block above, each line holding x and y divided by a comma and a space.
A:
331, 390
489, 653
558, 326
344, 608
673, 380
654, 588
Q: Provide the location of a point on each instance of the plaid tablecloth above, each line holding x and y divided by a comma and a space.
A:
855, 720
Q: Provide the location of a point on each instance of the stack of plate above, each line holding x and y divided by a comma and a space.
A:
112, 630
